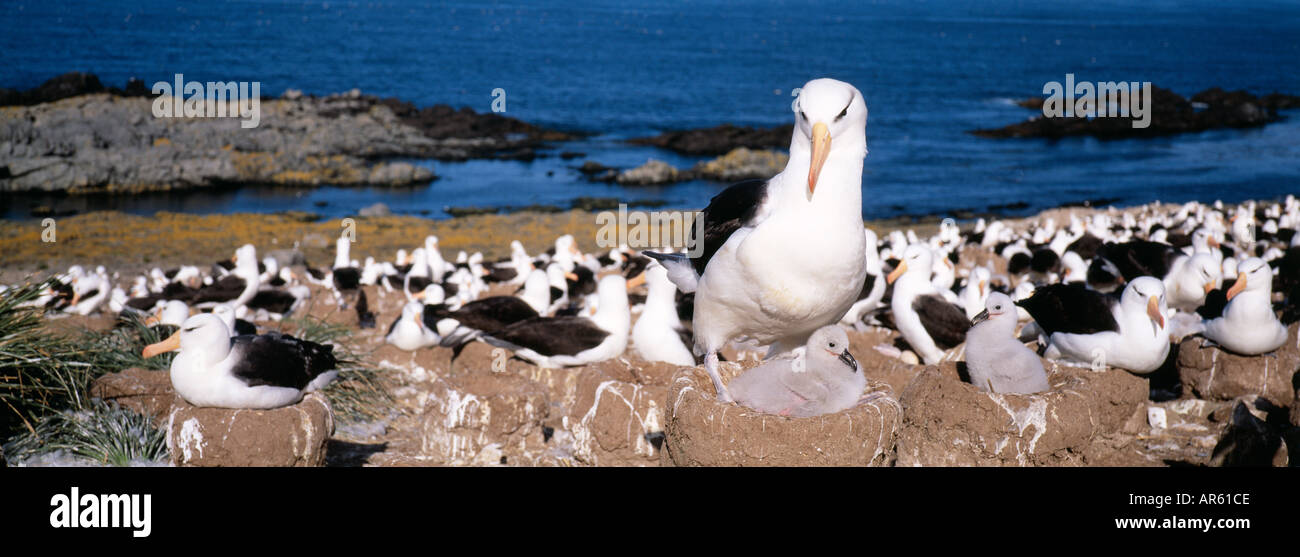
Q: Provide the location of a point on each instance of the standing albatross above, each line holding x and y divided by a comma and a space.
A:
783, 257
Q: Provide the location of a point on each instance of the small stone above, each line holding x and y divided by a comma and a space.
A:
743, 164
376, 210
652, 172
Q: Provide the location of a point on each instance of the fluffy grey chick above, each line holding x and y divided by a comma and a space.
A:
995, 359
822, 378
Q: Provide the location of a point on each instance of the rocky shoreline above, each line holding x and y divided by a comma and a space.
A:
73, 135
1210, 109
719, 139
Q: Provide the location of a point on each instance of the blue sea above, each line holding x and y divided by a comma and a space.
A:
930, 71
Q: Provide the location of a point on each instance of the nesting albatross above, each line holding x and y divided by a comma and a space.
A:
784, 257
249, 371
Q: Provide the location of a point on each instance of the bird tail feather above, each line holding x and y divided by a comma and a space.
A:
680, 270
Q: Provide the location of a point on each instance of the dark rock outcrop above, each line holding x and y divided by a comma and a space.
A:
720, 139
1169, 113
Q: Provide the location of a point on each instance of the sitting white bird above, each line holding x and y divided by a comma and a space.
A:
572, 340
995, 360
927, 320
822, 378
1190, 280
1087, 327
659, 335
1248, 325
251, 371
409, 331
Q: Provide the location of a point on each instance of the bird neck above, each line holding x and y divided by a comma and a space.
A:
205, 351
613, 315
341, 254
839, 185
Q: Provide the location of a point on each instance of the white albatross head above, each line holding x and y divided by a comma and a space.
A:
830, 117
1253, 275
204, 332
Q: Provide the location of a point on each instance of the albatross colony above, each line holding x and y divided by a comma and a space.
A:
783, 257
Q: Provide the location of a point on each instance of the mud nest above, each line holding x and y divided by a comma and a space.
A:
700, 431
949, 422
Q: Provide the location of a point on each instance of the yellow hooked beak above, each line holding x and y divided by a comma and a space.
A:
821, 147
636, 281
171, 343
1153, 311
153, 318
1213, 243
898, 272
571, 276
1238, 286
984, 285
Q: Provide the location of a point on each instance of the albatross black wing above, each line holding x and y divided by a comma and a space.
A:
634, 265
432, 314
224, 289
494, 313
347, 278
365, 317
1071, 308
727, 212
550, 336
867, 284
1140, 258
945, 322
274, 301
280, 360
1215, 301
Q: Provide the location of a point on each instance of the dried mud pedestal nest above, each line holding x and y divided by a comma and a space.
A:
1212, 373
294, 435
949, 422
700, 431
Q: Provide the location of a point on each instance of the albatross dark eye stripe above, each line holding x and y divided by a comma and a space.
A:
845, 112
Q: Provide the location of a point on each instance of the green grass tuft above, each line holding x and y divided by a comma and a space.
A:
39, 373
45, 380
102, 432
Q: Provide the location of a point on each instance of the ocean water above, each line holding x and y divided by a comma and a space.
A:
930, 71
